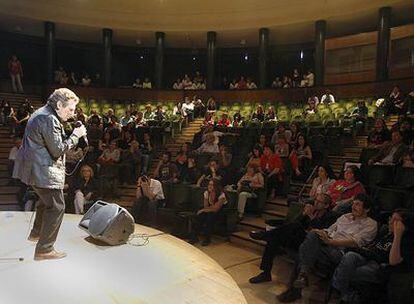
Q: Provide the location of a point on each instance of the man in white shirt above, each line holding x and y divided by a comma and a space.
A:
328, 98
150, 194
147, 84
250, 84
188, 107
327, 246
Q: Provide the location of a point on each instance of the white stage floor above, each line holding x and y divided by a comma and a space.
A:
166, 270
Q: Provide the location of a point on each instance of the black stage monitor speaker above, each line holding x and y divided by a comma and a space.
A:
109, 223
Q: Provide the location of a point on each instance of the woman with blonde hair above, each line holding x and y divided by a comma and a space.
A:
85, 189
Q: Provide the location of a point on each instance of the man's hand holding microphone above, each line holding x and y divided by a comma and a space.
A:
80, 131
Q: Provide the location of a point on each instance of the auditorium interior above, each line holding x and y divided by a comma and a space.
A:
263, 151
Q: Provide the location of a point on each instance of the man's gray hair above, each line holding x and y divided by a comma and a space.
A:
63, 95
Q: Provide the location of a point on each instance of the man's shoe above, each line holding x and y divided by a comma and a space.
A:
260, 278
290, 295
52, 255
302, 281
258, 235
33, 238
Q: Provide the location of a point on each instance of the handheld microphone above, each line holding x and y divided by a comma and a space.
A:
79, 124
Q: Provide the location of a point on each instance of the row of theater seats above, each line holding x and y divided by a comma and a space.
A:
293, 111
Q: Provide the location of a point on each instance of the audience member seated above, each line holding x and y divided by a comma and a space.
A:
146, 149
343, 191
159, 114
149, 196
281, 129
247, 187
213, 172
148, 114
237, 119
301, 157
178, 110
312, 107
186, 83
86, 80
328, 97
73, 156
233, 84
177, 85
256, 156
126, 119
199, 107
72, 79
380, 135
12, 158
322, 182
295, 78
262, 141
224, 157
85, 189
282, 147
140, 121
241, 84
290, 235
166, 170
137, 84
80, 116
393, 247
108, 167
271, 114
250, 85
408, 159
94, 118
182, 158
258, 115
327, 246
214, 200
276, 83
392, 152
209, 146
308, 80
190, 174
359, 114
147, 84
272, 168
224, 121
406, 129
211, 105
395, 104
188, 107
58, 74
293, 134
130, 163
286, 82
107, 118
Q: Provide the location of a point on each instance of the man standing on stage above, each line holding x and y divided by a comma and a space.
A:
40, 163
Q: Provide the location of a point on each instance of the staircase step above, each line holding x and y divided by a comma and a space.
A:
9, 190
8, 199
275, 213
243, 239
252, 223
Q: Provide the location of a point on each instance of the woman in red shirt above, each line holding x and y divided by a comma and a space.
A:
271, 166
343, 191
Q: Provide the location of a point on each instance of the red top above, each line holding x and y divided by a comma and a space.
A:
15, 67
224, 122
341, 190
269, 163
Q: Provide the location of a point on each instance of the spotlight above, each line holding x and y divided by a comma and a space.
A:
246, 57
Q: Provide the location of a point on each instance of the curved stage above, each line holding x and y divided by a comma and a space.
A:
166, 270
